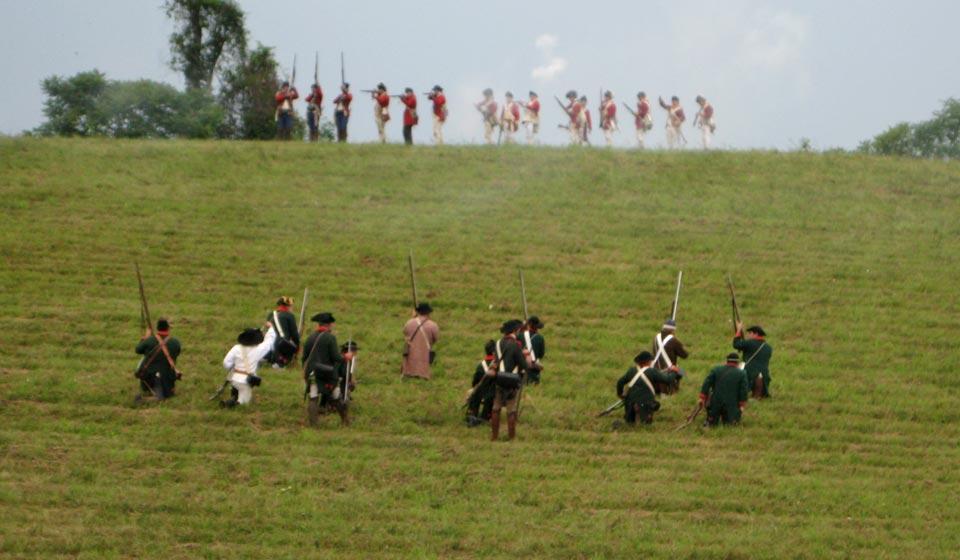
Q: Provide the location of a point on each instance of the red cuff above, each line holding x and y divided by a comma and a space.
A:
703, 397
743, 404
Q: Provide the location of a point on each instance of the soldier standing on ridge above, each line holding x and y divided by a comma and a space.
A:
420, 334
488, 108
531, 118
314, 110
704, 120
644, 120
756, 357
675, 120
577, 119
157, 376
439, 113
341, 112
284, 112
410, 117
587, 120
608, 117
381, 110
509, 118
638, 388
724, 392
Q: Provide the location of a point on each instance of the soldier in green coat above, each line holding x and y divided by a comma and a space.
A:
724, 392
533, 341
756, 358
483, 389
638, 388
157, 371
321, 359
288, 334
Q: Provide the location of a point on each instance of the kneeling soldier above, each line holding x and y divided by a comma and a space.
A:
638, 388
756, 358
321, 360
241, 363
508, 377
534, 342
157, 370
288, 335
483, 390
346, 383
724, 392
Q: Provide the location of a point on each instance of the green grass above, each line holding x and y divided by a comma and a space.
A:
849, 262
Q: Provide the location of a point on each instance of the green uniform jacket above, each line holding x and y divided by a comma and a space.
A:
640, 393
537, 342
759, 363
321, 349
159, 363
289, 325
513, 357
727, 387
485, 392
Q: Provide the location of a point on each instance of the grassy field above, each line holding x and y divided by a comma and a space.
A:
849, 262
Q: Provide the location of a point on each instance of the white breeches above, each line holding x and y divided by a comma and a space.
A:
437, 131
576, 138
641, 137
488, 131
533, 129
706, 136
245, 391
608, 136
673, 137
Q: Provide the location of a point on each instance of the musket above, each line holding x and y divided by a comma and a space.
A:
146, 313
676, 297
413, 279
733, 303
610, 408
316, 67
369, 90
562, 106
632, 112
690, 417
343, 75
523, 295
345, 397
293, 75
303, 313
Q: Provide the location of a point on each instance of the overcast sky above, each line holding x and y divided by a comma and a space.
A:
835, 72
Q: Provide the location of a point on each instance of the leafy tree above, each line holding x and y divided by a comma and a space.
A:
71, 104
207, 31
246, 95
937, 137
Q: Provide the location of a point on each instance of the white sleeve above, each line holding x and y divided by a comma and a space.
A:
230, 359
264, 347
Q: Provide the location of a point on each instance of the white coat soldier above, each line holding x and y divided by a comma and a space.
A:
488, 109
509, 118
531, 118
242, 361
322, 365
420, 334
508, 375
705, 121
643, 120
667, 352
608, 117
675, 120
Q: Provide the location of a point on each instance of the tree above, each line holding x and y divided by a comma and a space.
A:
246, 95
207, 32
87, 104
71, 104
937, 137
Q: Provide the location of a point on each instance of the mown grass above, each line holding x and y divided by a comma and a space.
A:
849, 262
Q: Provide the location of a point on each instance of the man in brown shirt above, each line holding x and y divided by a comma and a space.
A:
420, 334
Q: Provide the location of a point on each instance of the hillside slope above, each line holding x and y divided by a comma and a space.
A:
849, 262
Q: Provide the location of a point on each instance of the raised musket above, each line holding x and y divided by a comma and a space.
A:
413, 279
628, 108
146, 314
676, 297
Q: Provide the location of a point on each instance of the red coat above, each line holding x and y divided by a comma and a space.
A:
515, 111
439, 106
610, 115
316, 96
410, 113
534, 106
575, 110
383, 99
589, 120
344, 100
290, 94
707, 111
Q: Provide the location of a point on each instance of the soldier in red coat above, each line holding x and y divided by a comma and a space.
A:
509, 118
488, 108
675, 120
439, 113
410, 117
284, 113
314, 109
578, 119
587, 120
531, 118
608, 117
381, 110
704, 120
341, 112
643, 120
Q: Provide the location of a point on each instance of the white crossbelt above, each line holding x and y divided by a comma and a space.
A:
500, 359
527, 339
662, 350
276, 323
641, 375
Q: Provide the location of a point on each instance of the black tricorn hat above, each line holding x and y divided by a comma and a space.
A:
285, 83
488, 91
250, 337
643, 357
532, 94
381, 86
508, 94
351, 346
642, 94
324, 318
571, 94
163, 325
437, 88
285, 300
423, 308
535, 322
511, 326
345, 85
490, 347
757, 330
733, 357
408, 90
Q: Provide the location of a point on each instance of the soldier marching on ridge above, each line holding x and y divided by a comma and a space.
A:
575, 111
608, 117
531, 118
705, 121
587, 120
643, 120
675, 120
284, 99
439, 113
639, 387
724, 392
509, 118
488, 109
